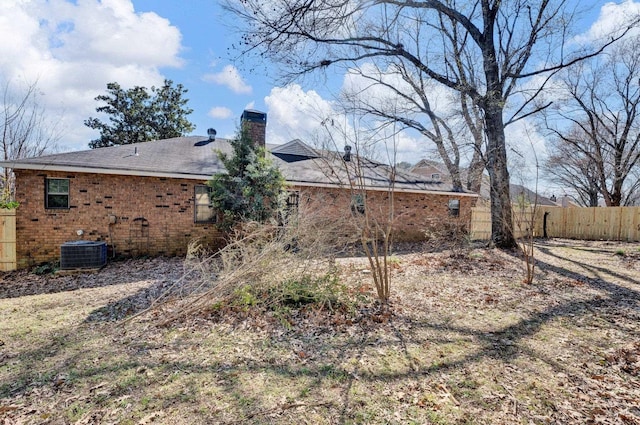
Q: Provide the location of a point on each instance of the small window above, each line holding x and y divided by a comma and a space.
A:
57, 193
293, 199
454, 207
435, 176
357, 203
204, 211
290, 212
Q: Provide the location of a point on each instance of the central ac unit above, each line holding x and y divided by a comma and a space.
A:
83, 255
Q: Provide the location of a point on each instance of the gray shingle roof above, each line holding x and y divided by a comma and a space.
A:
195, 157
180, 156
295, 148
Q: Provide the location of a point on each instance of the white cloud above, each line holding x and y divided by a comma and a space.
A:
526, 150
409, 144
73, 49
295, 114
111, 30
613, 17
229, 77
220, 112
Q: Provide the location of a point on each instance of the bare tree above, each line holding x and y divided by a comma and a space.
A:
454, 126
602, 109
573, 169
486, 50
25, 129
525, 212
372, 219
633, 195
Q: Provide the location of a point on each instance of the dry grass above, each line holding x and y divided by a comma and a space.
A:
468, 343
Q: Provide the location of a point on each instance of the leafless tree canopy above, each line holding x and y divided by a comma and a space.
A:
485, 50
25, 129
574, 170
602, 138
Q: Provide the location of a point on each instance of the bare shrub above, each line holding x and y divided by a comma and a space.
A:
264, 264
451, 235
525, 220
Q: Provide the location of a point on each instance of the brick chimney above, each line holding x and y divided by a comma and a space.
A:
255, 124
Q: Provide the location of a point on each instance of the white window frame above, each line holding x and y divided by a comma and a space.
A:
56, 193
203, 210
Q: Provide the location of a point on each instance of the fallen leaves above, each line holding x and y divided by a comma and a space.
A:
627, 358
465, 342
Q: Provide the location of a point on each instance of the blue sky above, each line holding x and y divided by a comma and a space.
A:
206, 40
74, 48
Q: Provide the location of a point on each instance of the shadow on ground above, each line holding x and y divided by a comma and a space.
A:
329, 387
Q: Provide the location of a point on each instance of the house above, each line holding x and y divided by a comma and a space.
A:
152, 199
438, 172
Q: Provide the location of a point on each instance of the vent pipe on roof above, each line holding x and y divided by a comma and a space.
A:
347, 153
212, 134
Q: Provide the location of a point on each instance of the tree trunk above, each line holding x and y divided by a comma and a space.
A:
501, 216
616, 195
593, 199
474, 177
454, 172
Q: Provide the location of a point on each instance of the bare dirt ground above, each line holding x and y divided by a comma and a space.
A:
467, 343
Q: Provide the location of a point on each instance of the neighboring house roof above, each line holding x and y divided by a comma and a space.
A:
195, 157
427, 168
519, 192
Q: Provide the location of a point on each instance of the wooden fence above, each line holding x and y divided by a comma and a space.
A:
7, 240
480, 228
598, 223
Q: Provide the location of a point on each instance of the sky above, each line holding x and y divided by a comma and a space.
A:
73, 48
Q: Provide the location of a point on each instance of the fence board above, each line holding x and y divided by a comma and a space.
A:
596, 223
7, 240
480, 228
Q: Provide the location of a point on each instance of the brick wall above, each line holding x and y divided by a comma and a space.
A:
153, 216
414, 213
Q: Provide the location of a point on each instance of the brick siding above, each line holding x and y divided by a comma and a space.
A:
415, 214
153, 216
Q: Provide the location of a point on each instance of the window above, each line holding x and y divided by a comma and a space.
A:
454, 207
293, 198
290, 212
204, 212
357, 203
57, 193
435, 176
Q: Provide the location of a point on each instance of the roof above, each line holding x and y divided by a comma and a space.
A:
426, 167
195, 157
520, 193
182, 157
296, 150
